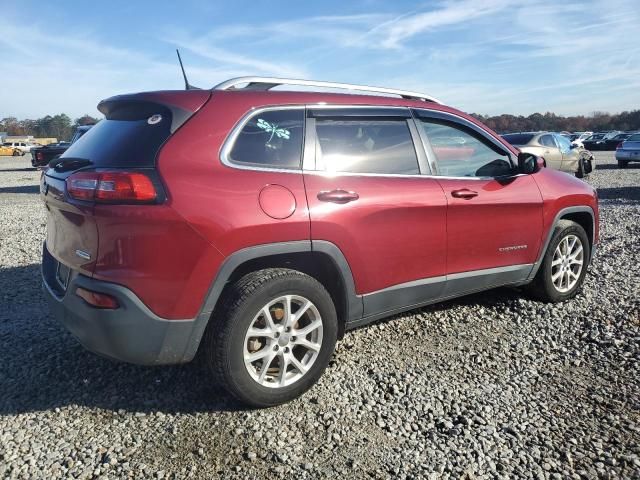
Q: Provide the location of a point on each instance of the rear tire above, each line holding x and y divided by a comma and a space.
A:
230, 347
580, 172
623, 163
564, 265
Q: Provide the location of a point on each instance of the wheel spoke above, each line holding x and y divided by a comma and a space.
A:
265, 365
296, 363
303, 342
252, 357
555, 276
309, 328
556, 261
577, 252
573, 274
284, 363
268, 319
260, 332
298, 315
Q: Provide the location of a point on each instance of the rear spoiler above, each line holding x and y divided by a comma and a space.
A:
180, 104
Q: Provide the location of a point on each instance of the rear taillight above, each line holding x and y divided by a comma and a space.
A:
39, 156
111, 187
619, 146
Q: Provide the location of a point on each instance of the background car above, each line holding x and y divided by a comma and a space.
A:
6, 151
555, 149
628, 151
597, 141
22, 147
41, 156
610, 144
577, 138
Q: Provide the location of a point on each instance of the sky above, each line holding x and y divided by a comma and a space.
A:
484, 56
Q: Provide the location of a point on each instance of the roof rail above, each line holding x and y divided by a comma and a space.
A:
267, 83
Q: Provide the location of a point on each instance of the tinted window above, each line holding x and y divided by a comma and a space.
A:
366, 146
518, 138
121, 143
462, 153
547, 141
271, 139
634, 138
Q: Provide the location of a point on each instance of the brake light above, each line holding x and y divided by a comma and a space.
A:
619, 146
111, 187
98, 300
39, 156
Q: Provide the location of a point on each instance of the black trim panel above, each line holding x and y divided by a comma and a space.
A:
407, 296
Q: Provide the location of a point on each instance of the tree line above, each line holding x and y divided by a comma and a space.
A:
57, 126
61, 126
597, 121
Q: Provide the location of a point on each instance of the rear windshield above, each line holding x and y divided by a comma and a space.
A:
518, 138
122, 143
634, 138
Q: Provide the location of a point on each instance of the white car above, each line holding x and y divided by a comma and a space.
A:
24, 147
578, 137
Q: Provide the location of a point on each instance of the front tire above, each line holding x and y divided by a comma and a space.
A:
272, 337
16, 153
564, 265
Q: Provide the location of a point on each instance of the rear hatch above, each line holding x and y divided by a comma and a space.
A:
124, 144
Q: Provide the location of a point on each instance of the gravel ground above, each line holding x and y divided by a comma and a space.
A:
489, 386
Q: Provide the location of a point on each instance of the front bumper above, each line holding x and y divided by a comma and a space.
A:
131, 333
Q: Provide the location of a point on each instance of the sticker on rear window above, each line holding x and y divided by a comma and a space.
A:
273, 130
153, 119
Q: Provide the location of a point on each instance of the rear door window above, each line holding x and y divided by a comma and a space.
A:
547, 141
271, 139
365, 145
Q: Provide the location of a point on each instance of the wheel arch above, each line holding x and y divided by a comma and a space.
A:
321, 260
583, 216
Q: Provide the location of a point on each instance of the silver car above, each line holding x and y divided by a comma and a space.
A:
628, 151
555, 149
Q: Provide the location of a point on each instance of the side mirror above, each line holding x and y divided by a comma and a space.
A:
529, 163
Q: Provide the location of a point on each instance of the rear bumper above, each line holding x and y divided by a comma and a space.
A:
131, 333
629, 155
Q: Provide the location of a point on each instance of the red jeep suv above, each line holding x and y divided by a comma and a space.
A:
256, 225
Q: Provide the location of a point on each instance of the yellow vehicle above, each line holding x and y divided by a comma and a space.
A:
9, 151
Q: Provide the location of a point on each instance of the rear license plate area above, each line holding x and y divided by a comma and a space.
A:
62, 275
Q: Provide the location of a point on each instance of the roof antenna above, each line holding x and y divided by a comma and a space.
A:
187, 85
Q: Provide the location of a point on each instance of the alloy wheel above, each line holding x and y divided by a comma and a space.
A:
567, 263
283, 341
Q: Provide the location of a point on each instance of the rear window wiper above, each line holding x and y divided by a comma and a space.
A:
67, 164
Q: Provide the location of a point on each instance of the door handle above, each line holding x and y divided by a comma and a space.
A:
337, 196
464, 193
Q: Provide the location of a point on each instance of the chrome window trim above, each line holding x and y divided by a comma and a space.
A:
308, 150
230, 141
